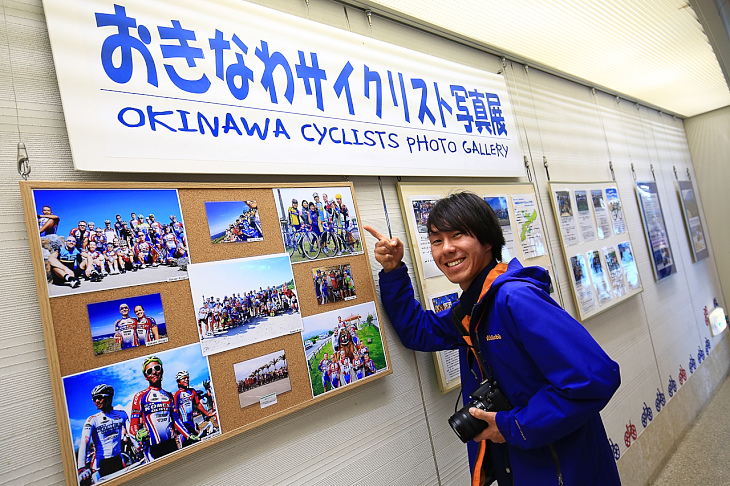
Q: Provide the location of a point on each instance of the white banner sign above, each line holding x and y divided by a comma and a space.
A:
225, 86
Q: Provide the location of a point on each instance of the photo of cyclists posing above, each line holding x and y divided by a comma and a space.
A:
244, 301
263, 377
443, 301
127, 323
343, 346
333, 284
98, 239
131, 413
318, 222
233, 221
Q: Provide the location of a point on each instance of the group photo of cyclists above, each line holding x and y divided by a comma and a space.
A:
444, 301
233, 221
318, 222
244, 301
333, 284
98, 239
343, 346
131, 413
421, 209
260, 378
127, 323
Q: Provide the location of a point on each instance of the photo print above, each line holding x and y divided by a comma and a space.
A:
333, 284
442, 302
233, 221
616, 210
601, 285
343, 346
566, 220
501, 209
99, 239
260, 378
131, 413
127, 323
582, 283
244, 301
421, 207
603, 217
325, 228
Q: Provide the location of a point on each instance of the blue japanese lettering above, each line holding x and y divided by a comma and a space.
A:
271, 61
314, 73
124, 41
495, 112
370, 77
343, 84
182, 50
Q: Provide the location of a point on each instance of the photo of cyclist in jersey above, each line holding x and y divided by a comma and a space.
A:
104, 439
333, 284
343, 346
131, 399
233, 221
155, 422
111, 254
188, 406
127, 323
318, 228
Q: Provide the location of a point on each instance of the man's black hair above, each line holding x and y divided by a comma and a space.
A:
470, 214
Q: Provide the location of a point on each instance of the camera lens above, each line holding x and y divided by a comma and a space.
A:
465, 425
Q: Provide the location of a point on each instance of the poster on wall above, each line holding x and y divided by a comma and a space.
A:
692, 221
662, 257
501, 208
582, 284
172, 86
448, 359
529, 226
419, 207
585, 217
616, 210
603, 218
566, 218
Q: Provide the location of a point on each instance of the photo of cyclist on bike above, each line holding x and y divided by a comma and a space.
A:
318, 228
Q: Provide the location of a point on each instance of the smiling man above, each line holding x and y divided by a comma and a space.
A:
509, 333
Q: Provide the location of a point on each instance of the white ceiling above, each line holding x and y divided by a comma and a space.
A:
654, 51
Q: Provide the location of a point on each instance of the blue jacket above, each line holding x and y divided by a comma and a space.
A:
554, 374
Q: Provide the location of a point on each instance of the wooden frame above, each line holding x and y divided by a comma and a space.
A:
432, 284
70, 350
596, 246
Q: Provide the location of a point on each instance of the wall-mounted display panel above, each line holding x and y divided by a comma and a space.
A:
595, 244
161, 340
655, 228
692, 221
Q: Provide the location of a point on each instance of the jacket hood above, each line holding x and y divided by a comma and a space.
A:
537, 276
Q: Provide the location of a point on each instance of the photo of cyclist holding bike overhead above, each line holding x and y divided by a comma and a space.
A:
319, 227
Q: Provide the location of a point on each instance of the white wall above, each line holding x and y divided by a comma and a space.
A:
392, 431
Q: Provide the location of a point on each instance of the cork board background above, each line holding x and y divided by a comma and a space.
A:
67, 327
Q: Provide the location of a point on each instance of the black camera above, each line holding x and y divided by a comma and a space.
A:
487, 397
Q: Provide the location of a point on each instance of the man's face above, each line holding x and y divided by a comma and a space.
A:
47, 210
91, 226
153, 373
459, 256
101, 401
119, 217
92, 246
139, 312
70, 242
183, 382
325, 356
124, 310
82, 226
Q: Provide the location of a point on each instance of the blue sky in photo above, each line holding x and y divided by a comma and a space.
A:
222, 213
103, 315
73, 205
127, 379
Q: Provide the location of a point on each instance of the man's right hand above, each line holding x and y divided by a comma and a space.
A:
388, 252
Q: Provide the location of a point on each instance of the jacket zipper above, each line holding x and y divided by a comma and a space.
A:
557, 464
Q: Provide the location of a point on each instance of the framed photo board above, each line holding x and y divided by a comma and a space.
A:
517, 209
595, 244
692, 221
655, 228
177, 315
